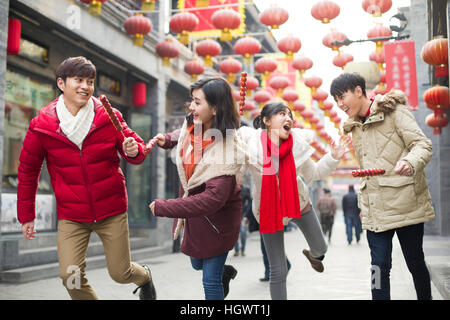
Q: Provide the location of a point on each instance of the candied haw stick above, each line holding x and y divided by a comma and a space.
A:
149, 146
368, 172
112, 116
243, 86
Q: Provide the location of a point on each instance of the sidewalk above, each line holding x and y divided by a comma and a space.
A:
346, 275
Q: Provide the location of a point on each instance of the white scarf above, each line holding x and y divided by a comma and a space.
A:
76, 127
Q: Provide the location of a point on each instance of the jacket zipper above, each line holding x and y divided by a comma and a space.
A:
91, 202
212, 225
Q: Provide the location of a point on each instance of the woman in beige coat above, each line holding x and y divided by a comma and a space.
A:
386, 135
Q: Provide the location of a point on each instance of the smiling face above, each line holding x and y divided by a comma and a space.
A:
279, 125
352, 102
202, 112
77, 90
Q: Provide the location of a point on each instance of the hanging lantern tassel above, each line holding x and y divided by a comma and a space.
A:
225, 35
247, 59
202, 3
183, 37
95, 8
148, 5
243, 85
138, 39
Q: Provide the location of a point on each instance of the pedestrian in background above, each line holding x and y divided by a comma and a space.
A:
351, 215
386, 135
327, 209
246, 206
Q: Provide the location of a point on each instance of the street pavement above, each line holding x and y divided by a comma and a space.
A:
346, 275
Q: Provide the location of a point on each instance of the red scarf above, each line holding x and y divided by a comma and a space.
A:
278, 201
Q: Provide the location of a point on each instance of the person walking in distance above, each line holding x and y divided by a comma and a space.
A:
76, 138
351, 215
327, 209
386, 135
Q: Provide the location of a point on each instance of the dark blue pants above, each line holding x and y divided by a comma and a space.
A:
411, 239
352, 221
212, 275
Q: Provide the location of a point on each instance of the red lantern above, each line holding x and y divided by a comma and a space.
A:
331, 37
148, 5
376, 7
437, 99
261, 97
299, 107
226, 20
255, 113
437, 122
342, 59
289, 45
274, 17
138, 26
336, 121
249, 106
139, 94
194, 68
14, 34
95, 6
167, 50
379, 31
230, 67
333, 114
252, 83
279, 83
265, 66
313, 82
307, 114
320, 96
247, 47
207, 49
325, 11
290, 95
435, 52
378, 57
302, 63
182, 23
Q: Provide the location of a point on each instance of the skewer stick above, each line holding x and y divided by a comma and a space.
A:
112, 116
243, 89
149, 146
368, 172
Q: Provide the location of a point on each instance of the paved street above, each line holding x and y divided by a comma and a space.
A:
346, 275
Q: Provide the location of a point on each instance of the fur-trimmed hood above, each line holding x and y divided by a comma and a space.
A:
382, 105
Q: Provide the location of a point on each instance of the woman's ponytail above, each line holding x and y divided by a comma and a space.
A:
258, 122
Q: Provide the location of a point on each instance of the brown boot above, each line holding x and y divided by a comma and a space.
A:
316, 264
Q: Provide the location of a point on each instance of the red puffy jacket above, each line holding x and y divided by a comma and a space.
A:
88, 183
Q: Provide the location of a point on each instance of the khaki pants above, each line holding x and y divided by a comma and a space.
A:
73, 240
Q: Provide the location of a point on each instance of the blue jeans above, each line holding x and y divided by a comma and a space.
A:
243, 237
351, 221
212, 275
411, 239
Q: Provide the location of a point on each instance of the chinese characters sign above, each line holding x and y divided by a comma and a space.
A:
401, 69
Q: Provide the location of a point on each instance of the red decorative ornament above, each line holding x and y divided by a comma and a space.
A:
95, 6
435, 53
208, 49
279, 83
261, 97
342, 59
327, 106
148, 5
376, 7
437, 122
313, 82
182, 23
138, 26
252, 84
226, 20
333, 114
274, 17
230, 67
194, 68
368, 172
167, 50
331, 37
243, 88
290, 95
307, 114
247, 47
289, 45
379, 31
265, 66
299, 106
437, 99
14, 35
325, 11
320, 96
139, 94
378, 57
302, 63
255, 113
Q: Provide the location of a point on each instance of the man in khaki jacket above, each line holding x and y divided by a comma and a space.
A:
386, 135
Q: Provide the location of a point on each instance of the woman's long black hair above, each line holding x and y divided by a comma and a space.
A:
268, 111
218, 94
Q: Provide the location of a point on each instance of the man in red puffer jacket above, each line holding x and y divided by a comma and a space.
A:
79, 143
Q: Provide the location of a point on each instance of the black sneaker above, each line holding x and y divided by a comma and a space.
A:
228, 273
147, 291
